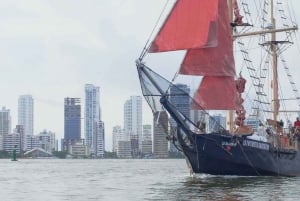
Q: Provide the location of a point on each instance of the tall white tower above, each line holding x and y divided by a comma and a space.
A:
92, 116
25, 118
133, 119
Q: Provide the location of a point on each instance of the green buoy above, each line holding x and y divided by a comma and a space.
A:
14, 155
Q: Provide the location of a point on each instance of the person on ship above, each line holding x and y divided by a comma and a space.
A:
201, 127
297, 138
296, 134
261, 130
297, 123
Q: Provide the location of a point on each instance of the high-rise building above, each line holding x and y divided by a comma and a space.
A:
92, 116
160, 130
47, 141
5, 125
133, 120
121, 143
99, 145
198, 117
25, 117
179, 97
72, 117
147, 132
217, 123
147, 139
11, 142
20, 129
117, 134
124, 149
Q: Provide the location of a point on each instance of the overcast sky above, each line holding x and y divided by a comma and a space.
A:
52, 48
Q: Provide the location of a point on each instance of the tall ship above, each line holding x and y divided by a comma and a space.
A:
231, 100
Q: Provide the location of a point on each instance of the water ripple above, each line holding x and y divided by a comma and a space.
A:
133, 180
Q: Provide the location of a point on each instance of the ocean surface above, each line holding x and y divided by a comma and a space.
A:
118, 179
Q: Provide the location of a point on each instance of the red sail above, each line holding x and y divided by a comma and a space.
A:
191, 24
214, 61
217, 93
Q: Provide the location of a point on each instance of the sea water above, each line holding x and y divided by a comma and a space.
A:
134, 179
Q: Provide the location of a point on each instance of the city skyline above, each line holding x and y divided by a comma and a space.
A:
67, 101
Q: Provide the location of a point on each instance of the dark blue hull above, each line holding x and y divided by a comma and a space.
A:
227, 155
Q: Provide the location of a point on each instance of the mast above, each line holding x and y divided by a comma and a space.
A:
274, 65
273, 47
231, 119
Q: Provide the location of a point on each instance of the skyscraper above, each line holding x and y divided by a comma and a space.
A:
160, 131
133, 120
72, 116
20, 129
217, 122
179, 97
117, 134
5, 125
25, 118
99, 139
92, 119
147, 139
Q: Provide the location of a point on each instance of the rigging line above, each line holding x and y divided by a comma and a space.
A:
245, 155
283, 102
294, 21
147, 46
195, 142
292, 12
285, 20
248, 63
277, 161
260, 15
297, 36
175, 76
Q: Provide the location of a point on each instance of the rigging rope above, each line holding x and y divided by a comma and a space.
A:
147, 45
246, 157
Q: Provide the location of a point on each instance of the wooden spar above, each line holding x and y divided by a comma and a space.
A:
284, 111
274, 66
269, 31
231, 112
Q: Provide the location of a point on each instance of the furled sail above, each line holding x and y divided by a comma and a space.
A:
190, 24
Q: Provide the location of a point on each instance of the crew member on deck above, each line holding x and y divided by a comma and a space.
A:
297, 123
201, 127
261, 130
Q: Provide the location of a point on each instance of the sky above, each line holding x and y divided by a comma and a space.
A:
52, 48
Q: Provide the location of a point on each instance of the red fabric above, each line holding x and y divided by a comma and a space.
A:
216, 93
190, 24
213, 61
